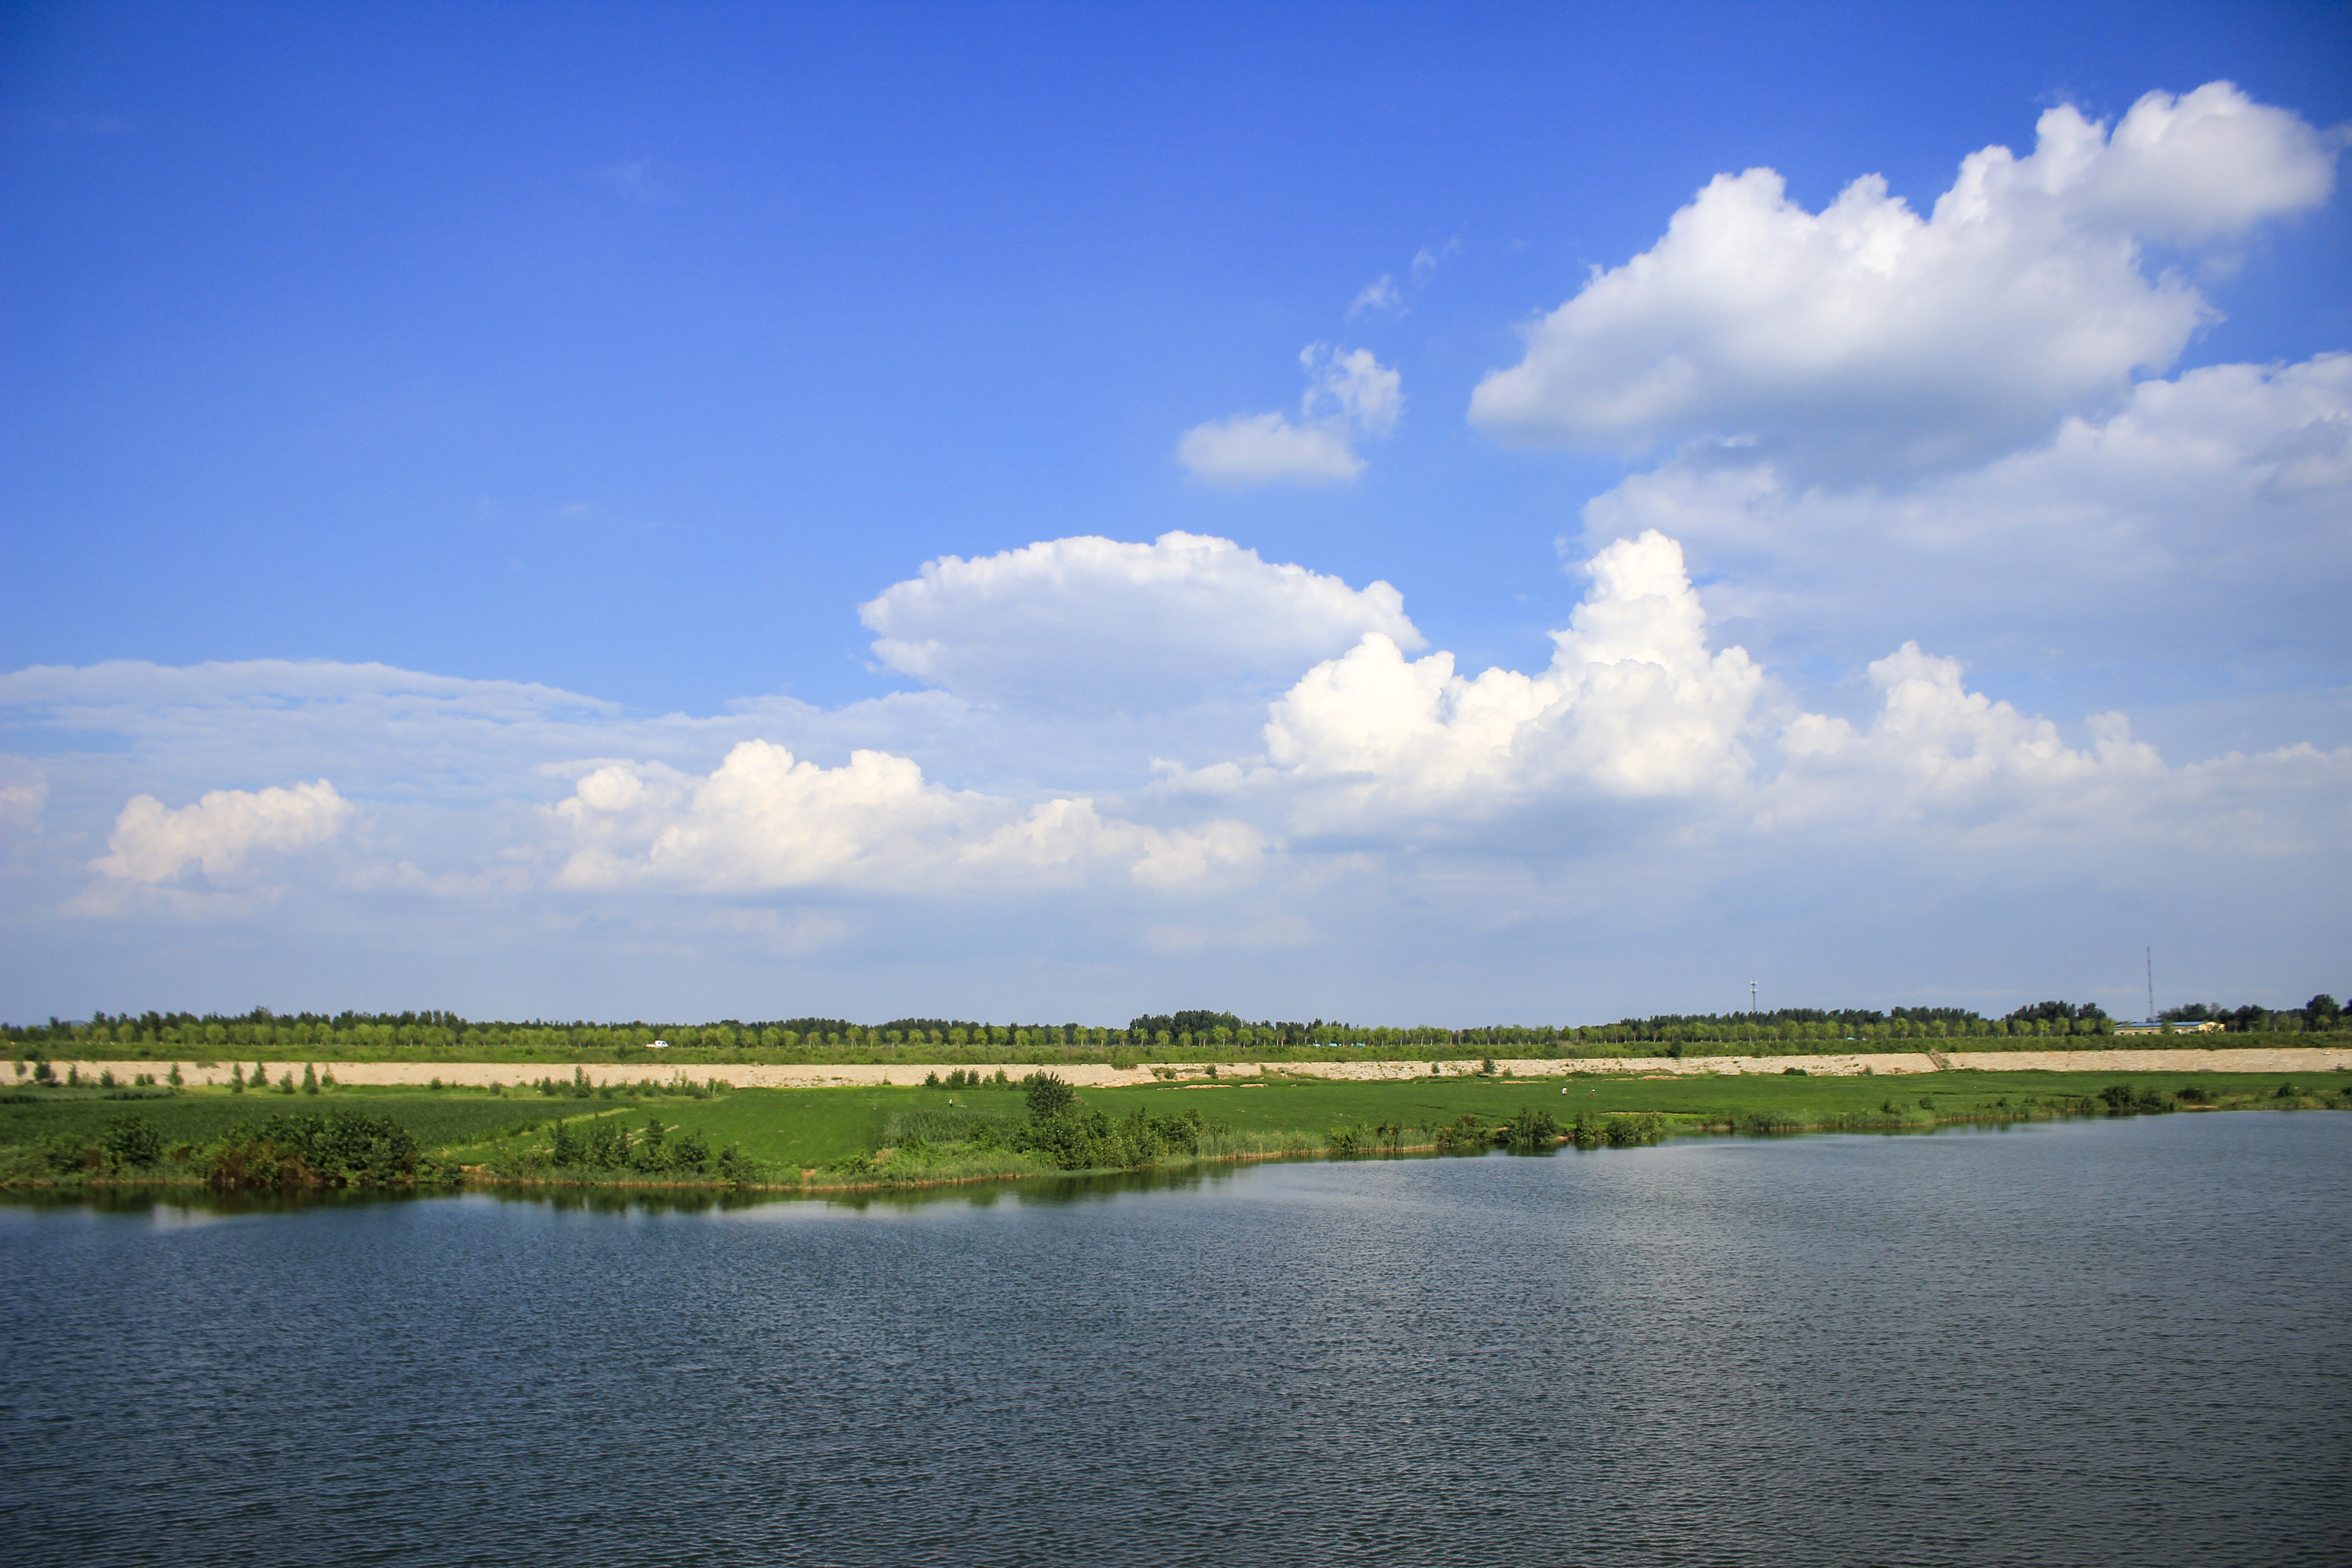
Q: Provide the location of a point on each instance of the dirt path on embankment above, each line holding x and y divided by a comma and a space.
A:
1095, 1075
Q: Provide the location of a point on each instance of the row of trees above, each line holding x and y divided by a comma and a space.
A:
2321, 1011
265, 1034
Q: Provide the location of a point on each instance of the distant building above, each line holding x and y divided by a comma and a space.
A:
2158, 1027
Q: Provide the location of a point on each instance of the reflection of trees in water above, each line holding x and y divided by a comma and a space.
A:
180, 1201
167, 1204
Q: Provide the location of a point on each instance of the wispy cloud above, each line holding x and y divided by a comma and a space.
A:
1349, 395
1425, 260
1380, 294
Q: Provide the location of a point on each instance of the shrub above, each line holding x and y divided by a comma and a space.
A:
1633, 1129
1080, 1141
343, 1148
65, 1153
1465, 1133
1532, 1128
133, 1140
1048, 1095
648, 1154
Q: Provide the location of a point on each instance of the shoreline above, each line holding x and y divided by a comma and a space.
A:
476, 1179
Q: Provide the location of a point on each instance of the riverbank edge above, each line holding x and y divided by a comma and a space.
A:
476, 1179
1099, 1074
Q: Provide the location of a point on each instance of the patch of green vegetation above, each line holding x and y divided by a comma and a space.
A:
841, 1134
287, 1148
449, 1117
913, 1135
1767, 1100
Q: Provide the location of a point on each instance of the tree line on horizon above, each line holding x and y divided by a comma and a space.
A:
262, 1030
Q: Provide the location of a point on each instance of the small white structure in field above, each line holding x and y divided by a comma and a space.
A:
656, 1045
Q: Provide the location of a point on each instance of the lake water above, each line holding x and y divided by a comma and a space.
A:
2109, 1342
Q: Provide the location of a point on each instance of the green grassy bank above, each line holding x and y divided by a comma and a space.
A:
820, 1139
815, 1127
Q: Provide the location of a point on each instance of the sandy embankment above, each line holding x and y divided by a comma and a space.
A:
852, 1075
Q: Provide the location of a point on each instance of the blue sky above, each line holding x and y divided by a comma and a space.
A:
587, 369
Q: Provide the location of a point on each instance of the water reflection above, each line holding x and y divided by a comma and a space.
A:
185, 1205
179, 1204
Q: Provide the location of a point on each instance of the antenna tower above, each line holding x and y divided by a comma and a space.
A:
1751, 995
2151, 985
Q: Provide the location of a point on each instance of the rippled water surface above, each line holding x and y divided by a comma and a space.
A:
2122, 1342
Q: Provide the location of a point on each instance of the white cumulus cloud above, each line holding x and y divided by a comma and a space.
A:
152, 843
1865, 341
1935, 745
766, 820
1349, 395
1638, 705
1101, 624
1634, 703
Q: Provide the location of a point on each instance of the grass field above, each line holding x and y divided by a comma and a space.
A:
792, 1130
813, 1128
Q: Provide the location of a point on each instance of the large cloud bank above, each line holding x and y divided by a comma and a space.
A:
1646, 760
1866, 341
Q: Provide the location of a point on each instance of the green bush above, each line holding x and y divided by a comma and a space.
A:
1532, 1128
133, 1140
1048, 1095
2123, 1099
345, 1148
1096, 1141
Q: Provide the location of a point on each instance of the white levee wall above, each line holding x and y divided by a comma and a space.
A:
859, 1075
